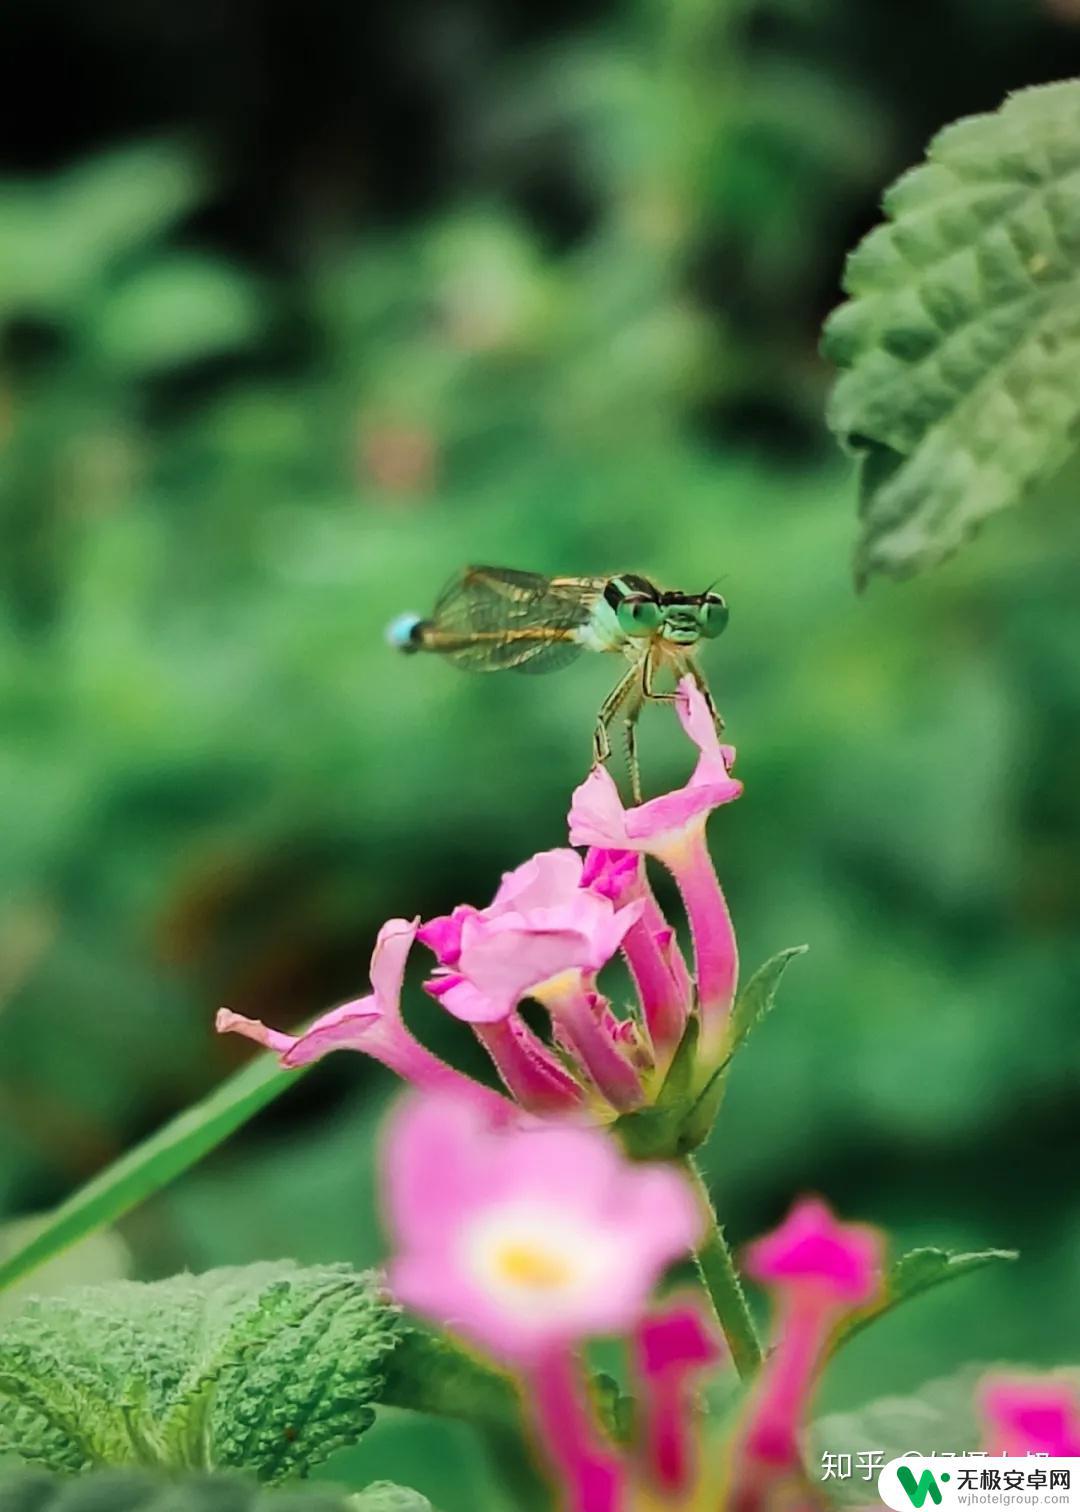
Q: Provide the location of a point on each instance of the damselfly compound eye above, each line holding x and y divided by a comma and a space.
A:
638, 615
713, 615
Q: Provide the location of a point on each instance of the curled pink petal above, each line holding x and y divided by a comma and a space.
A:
374, 1026
228, 1022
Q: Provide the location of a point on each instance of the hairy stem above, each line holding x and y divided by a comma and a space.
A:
721, 1281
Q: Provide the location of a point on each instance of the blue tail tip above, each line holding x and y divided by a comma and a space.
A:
401, 633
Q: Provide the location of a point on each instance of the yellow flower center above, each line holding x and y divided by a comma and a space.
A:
535, 1269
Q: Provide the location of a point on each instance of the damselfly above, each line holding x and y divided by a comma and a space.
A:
488, 619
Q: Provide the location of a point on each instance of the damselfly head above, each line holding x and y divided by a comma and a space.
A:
683, 618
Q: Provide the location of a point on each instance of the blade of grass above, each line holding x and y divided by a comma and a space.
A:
147, 1168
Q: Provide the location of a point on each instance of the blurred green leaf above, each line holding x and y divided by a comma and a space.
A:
59, 237
940, 1418
961, 342
139, 1491
101, 1256
172, 311
152, 1164
267, 1368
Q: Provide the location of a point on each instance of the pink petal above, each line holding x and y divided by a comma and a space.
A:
546, 880
465, 1001
597, 816
442, 936
344, 1028
388, 959
228, 1022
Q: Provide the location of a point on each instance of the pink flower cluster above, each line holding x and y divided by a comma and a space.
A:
553, 925
531, 1241
528, 1241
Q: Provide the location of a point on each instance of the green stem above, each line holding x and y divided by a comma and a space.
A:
721, 1281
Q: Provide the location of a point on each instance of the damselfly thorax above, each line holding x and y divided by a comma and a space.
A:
488, 619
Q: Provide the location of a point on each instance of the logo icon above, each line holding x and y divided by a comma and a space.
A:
917, 1491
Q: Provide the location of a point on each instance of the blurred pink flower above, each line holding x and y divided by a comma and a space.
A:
531, 1241
819, 1269
373, 1025
673, 1347
672, 828
526, 1241
1028, 1415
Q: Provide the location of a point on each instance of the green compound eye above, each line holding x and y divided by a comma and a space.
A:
714, 616
638, 615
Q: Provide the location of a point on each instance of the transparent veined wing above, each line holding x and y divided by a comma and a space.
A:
490, 619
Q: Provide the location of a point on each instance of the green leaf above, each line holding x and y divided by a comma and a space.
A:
266, 1367
141, 1491
916, 1272
173, 311
152, 1164
961, 342
758, 996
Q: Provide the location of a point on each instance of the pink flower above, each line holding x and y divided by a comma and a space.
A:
820, 1269
528, 1242
541, 924
672, 828
543, 936
372, 1024
1031, 1416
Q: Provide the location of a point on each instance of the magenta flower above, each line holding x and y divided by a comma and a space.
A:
649, 946
673, 1347
531, 1241
672, 828
819, 1270
372, 1024
1031, 1416
543, 936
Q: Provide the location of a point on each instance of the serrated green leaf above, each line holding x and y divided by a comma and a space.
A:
916, 1272
155, 1162
267, 1368
758, 996
141, 1491
961, 340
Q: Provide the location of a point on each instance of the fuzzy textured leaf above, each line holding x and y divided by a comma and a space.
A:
916, 1272
267, 1367
960, 343
141, 1491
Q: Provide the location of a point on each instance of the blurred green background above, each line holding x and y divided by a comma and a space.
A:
301, 308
